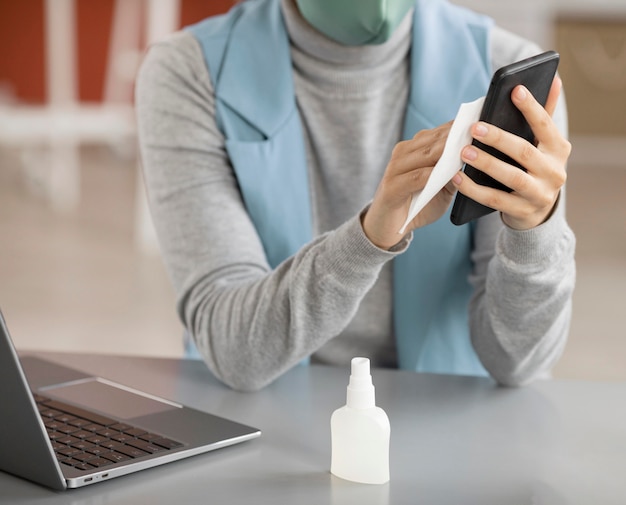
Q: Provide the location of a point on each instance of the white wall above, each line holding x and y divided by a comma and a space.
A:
533, 18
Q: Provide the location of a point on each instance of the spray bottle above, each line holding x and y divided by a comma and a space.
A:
360, 431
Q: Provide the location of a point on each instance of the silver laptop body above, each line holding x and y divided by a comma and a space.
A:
150, 431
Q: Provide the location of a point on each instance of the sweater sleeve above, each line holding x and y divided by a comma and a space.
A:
521, 308
523, 280
250, 323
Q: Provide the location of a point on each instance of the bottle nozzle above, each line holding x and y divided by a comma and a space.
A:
360, 393
360, 367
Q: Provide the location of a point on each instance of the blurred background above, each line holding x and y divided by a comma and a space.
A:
79, 265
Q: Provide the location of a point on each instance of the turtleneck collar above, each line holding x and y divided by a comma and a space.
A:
329, 64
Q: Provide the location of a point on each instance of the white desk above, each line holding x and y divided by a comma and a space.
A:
454, 440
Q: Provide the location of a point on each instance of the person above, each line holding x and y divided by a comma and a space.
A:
281, 144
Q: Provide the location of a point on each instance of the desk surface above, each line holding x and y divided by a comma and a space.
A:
453, 440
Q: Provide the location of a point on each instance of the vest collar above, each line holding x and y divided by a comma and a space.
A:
268, 71
439, 31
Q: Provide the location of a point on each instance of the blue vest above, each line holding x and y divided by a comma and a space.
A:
248, 56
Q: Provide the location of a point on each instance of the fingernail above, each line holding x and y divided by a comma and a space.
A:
520, 93
480, 130
457, 179
470, 154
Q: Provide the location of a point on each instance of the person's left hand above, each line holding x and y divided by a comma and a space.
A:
535, 192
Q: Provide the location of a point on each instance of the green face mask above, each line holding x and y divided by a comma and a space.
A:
355, 22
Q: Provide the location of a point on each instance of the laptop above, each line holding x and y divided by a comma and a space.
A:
64, 429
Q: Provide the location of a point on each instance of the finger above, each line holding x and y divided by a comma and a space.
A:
425, 139
517, 148
438, 131
553, 95
427, 153
418, 152
406, 184
490, 197
538, 118
511, 176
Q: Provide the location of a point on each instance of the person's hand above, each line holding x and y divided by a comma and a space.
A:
535, 192
410, 166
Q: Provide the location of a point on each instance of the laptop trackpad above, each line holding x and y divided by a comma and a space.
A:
109, 398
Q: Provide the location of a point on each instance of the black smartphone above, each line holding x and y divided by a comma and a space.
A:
537, 74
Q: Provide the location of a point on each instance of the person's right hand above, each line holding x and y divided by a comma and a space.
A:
410, 166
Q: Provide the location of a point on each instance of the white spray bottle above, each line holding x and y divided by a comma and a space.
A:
360, 432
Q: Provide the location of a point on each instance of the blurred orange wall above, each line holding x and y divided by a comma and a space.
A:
22, 65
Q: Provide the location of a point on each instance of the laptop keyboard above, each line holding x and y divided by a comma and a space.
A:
86, 440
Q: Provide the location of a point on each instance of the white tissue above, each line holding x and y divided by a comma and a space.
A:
450, 162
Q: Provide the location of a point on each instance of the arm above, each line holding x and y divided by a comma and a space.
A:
250, 323
524, 278
521, 308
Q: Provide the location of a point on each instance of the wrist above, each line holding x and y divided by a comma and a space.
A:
532, 222
383, 241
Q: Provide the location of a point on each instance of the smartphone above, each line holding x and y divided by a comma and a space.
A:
537, 74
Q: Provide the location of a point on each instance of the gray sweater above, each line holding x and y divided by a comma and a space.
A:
333, 299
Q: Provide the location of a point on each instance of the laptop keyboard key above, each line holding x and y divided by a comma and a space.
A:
146, 446
149, 437
83, 456
99, 462
48, 412
135, 432
107, 433
64, 418
98, 451
116, 457
52, 424
109, 444
97, 439
82, 434
81, 423
82, 466
68, 440
54, 435
167, 443
132, 452
67, 429
83, 445
120, 427
122, 438
68, 451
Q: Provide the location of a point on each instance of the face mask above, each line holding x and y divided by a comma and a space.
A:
355, 22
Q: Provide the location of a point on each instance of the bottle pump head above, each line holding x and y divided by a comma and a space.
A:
361, 393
